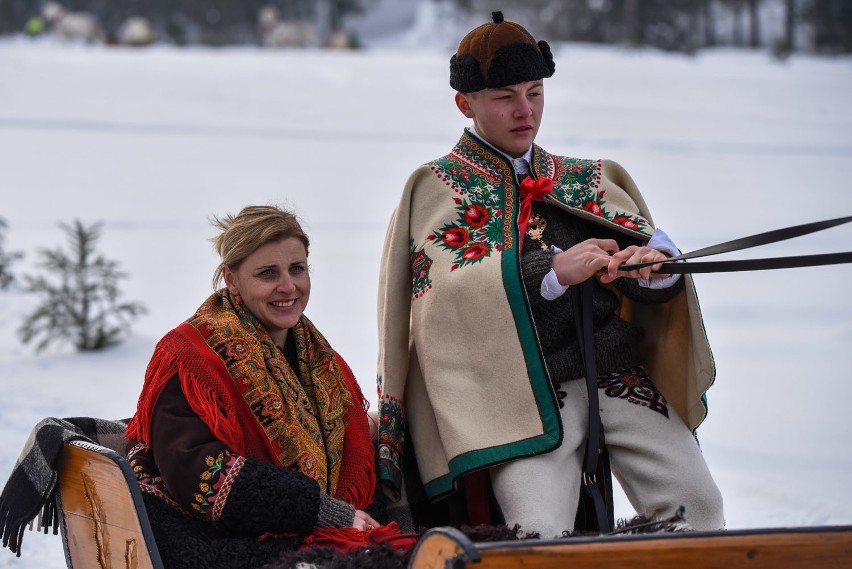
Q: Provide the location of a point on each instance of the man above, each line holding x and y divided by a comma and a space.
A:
479, 358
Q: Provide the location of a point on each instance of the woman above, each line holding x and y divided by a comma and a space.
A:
251, 436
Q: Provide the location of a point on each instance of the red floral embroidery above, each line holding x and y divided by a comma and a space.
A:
592, 207
634, 386
455, 237
476, 215
625, 222
632, 380
474, 252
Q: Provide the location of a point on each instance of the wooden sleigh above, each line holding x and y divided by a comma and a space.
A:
799, 548
104, 526
103, 521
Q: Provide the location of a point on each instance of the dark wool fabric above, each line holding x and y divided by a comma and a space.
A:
616, 341
269, 498
334, 512
190, 543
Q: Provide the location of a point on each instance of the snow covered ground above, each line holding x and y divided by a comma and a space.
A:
153, 142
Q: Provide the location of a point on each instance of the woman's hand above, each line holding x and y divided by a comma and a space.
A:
583, 260
364, 522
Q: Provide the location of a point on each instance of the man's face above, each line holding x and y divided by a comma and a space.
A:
508, 117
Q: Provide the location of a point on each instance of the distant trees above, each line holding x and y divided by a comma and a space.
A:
6, 259
832, 21
790, 24
679, 25
684, 25
184, 22
79, 291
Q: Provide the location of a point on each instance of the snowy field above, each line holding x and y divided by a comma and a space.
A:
153, 142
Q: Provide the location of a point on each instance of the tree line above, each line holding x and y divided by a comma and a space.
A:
686, 25
677, 25
187, 22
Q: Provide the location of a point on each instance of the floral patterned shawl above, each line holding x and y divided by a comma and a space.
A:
242, 387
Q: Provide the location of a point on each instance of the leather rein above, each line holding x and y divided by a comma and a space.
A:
672, 266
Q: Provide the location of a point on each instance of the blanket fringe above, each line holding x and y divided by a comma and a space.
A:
12, 528
48, 518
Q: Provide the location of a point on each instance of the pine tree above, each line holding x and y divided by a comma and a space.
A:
832, 24
6, 259
80, 296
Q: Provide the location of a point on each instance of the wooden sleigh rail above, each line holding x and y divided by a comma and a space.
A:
799, 548
105, 526
103, 520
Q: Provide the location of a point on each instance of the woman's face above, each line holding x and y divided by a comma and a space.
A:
274, 284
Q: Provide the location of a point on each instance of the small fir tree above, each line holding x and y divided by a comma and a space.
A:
80, 296
6, 259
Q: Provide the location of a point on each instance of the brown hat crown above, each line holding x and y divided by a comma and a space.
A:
498, 54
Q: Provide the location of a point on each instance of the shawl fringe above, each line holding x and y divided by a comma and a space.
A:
357, 469
164, 365
346, 540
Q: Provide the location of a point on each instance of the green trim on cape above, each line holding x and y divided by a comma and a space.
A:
539, 378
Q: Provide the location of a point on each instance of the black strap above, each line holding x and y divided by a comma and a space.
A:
671, 267
581, 299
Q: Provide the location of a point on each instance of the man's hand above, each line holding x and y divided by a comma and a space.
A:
583, 260
634, 255
602, 257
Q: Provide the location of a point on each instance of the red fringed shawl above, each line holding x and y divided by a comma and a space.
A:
242, 387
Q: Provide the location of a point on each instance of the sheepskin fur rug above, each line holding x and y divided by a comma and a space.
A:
389, 558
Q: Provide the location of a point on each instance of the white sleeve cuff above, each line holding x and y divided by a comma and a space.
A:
550, 287
663, 243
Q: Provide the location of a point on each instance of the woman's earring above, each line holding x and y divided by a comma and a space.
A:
238, 299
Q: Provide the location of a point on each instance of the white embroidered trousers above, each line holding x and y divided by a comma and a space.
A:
655, 458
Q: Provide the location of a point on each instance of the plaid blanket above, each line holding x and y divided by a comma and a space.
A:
31, 488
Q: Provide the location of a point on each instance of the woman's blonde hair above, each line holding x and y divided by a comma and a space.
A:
244, 233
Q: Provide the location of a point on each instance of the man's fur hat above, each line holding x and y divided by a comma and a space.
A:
498, 54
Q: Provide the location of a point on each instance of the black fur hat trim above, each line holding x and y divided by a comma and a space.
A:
511, 64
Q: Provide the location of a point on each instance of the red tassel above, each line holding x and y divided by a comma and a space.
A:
349, 539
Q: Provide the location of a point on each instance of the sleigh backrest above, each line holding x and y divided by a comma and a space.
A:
103, 519
791, 548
